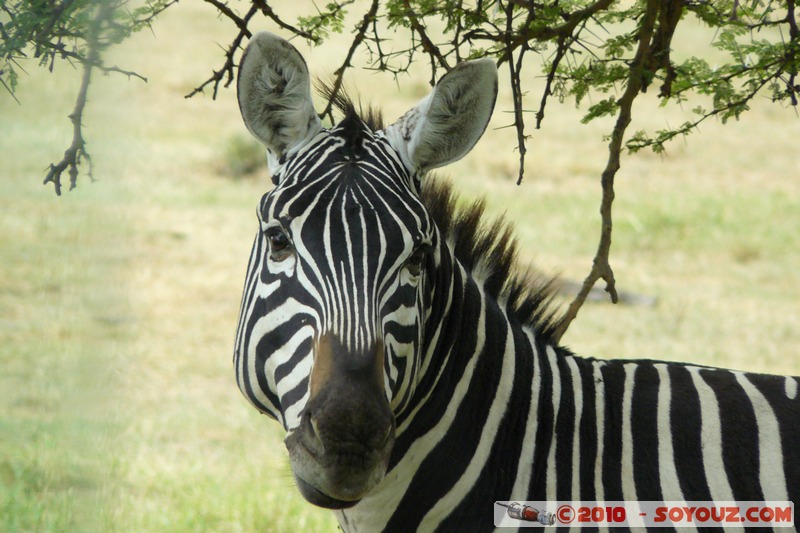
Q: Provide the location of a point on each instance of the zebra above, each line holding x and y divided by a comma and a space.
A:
415, 367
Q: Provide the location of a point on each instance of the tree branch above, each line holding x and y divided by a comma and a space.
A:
794, 37
561, 50
241, 23
146, 21
427, 44
514, 69
545, 33
63, 53
77, 150
44, 34
637, 76
361, 31
637, 143
265, 8
226, 72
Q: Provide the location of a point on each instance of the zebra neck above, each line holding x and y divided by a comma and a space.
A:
479, 365
495, 391
481, 380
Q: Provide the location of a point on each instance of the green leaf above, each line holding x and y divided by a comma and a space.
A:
603, 108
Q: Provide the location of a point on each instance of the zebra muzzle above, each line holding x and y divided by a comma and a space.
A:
340, 451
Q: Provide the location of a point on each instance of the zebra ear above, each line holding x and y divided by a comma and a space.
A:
445, 125
274, 93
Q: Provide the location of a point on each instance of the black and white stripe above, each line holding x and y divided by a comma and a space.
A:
486, 406
528, 421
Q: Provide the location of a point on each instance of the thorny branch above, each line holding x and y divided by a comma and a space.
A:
361, 32
226, 72
514, 68
312, 33
427, 44
77, 150
60, 50
241, 23
636, 143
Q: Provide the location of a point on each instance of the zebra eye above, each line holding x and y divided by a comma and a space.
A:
280, 248
415, 261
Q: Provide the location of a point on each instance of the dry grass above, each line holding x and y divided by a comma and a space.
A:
118, 302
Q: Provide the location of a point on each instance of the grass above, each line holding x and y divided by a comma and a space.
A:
118, 302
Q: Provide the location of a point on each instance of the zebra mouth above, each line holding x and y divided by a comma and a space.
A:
316, 497
339, 479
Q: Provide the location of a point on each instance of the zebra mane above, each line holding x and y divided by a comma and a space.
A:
354, 112
488, 250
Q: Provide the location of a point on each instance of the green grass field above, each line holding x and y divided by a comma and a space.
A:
118, 301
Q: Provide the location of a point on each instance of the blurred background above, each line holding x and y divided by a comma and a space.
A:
119, 300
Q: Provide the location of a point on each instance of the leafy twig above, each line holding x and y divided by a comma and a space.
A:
148, 20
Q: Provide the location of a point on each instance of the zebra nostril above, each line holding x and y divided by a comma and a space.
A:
314, 441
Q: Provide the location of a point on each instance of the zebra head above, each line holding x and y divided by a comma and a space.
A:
341, 277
